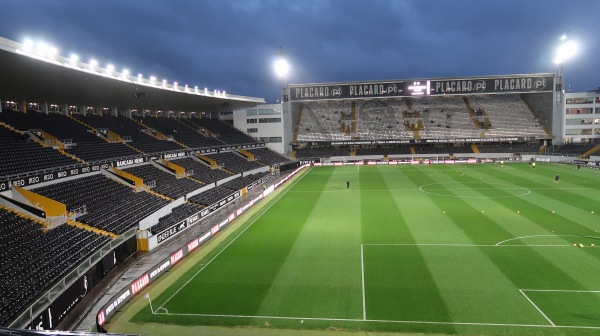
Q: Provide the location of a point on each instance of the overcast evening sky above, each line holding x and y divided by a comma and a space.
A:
230, 45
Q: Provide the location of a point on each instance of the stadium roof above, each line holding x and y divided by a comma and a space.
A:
30, 76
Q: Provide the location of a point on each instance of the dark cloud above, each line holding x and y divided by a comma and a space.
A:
230, 45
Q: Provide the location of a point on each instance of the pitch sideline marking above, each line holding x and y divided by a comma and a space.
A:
231, 242
362, 267
384, 321
468, 245
537, 308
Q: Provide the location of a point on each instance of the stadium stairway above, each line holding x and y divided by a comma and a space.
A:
590, 152
353, 117
409, 104
20, 214
212, 163
472, 114
195, 179
82, 123
148, 190
297, 123
475, 149
91, 229
151, 132
130, 146
249, 156
534, 114
110, 134
62, 151
10, 127
542, 149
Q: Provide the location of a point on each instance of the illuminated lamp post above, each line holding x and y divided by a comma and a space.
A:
282, 68
566, 50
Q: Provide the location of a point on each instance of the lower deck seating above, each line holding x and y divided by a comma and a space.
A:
33, 259
574, 149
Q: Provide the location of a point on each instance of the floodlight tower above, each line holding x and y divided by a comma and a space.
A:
566, 50
282, 68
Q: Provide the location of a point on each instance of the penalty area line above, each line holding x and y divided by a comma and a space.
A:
537, 308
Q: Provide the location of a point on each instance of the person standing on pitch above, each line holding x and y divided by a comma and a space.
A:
556, 178
347, 184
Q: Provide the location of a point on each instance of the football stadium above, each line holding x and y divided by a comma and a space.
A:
397, 206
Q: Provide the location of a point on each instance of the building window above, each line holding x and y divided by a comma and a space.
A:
268, 120
268, 112
252, 130
251, 121
587, 110
580, 100
578, 131
270, 139
250, 113
579, 121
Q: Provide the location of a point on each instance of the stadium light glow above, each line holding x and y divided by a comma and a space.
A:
52, 51
139, 78
164, 83
565, 51
282, 67
74, 58
174, 85
153, 78
41, 48
110, 68
93, 63
125, 73
28, 45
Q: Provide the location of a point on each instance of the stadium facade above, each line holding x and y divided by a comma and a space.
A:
581, 117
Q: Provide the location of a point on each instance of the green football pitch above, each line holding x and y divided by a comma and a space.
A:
447, 249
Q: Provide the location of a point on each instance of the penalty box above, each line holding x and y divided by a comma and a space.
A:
563, 307
453, 283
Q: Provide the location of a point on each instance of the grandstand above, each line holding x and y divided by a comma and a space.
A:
399, 117
77, 182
